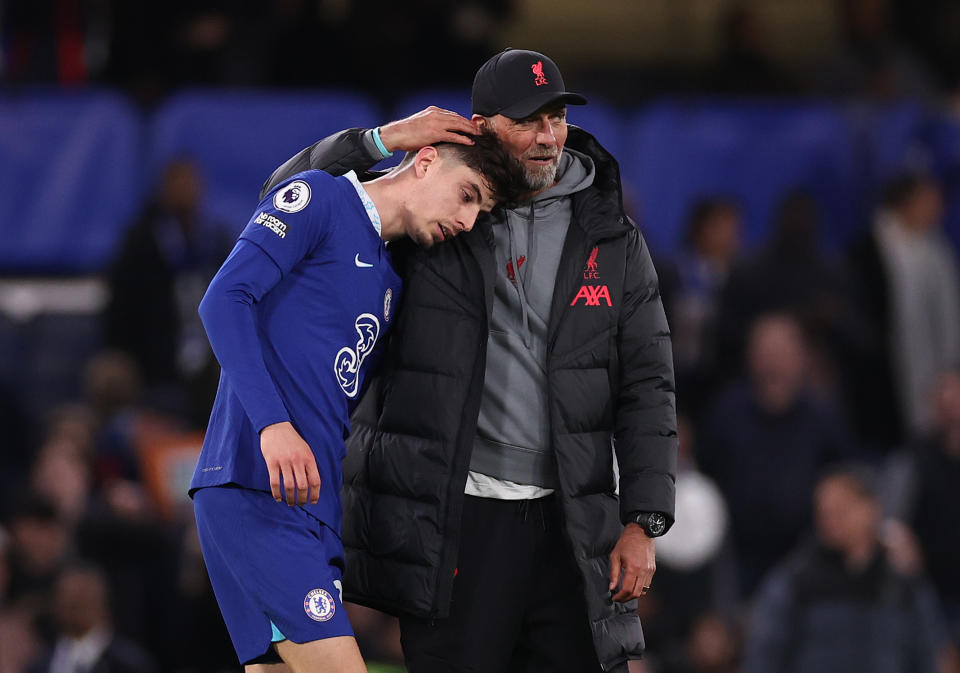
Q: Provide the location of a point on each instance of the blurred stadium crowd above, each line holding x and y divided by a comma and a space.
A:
818, 374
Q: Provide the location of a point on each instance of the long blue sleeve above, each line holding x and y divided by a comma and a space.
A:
282, 232
294, 316
228, 314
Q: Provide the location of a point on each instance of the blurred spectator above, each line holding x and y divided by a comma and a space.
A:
694, 569
156, 281
790, 273
18, 449
40, 543
200, 640
746, 65
18, 640
74, 424
906, 279
112, 389
712, 647
692, 288
209, 42
105, 518
839, 604
61, 475
122, 534
154, 48
871, 60
58, 41
932, 506
85, 640
765, 442
464, 31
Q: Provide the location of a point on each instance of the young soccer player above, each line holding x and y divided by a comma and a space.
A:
294, 316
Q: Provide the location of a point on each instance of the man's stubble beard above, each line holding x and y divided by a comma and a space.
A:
537, 178
540, 177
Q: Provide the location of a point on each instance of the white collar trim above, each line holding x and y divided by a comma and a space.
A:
368, 204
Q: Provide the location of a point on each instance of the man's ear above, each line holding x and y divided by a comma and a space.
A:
479, 123
426, 158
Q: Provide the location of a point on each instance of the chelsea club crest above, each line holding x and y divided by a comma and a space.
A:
319, 605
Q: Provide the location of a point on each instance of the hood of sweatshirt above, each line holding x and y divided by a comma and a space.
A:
513, 434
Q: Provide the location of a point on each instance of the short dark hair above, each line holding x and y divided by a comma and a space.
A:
898, 191
31, 506
502, 173
703, 211
863, 477
487, 156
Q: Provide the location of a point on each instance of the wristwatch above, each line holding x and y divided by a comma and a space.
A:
654, 524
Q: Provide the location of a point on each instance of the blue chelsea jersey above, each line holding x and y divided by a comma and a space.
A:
295, 316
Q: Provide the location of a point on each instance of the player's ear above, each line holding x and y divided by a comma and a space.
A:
426, 157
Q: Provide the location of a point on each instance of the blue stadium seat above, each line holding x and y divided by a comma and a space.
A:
754, 152
945, 141
70, 178
603, 121
239, 138
893, 138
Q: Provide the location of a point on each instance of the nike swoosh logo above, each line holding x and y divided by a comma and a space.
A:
362, 265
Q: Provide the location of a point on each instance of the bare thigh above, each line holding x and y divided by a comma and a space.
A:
267, 668
329, 655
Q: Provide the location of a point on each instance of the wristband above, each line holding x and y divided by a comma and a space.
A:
376, 139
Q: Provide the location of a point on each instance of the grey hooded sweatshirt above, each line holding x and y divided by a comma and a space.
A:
513, 430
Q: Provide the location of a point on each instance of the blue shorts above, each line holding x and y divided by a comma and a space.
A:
275, 569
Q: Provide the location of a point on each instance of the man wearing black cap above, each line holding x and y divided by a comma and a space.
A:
481, 501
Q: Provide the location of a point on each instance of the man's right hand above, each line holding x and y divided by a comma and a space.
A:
433, 125
289, 457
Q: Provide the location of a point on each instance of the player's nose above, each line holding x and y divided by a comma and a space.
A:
468, 218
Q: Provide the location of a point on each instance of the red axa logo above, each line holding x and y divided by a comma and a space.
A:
510, 272
593, 295
538, 77
591, 271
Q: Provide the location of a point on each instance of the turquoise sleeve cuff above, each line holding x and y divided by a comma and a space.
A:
376, 139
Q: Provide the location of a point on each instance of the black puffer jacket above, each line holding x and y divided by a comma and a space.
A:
610, 375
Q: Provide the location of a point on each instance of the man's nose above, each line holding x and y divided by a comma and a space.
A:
545, 134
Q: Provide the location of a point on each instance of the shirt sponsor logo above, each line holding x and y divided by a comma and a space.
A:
293, 198
592, 295
347, 363
319, 605
273, 223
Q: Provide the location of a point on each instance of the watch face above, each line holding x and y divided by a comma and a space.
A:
656, 523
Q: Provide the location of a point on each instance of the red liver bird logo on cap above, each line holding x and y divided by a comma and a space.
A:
539, 78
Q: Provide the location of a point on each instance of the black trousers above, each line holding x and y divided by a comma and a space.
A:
517, 603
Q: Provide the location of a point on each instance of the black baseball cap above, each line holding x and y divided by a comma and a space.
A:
516, 83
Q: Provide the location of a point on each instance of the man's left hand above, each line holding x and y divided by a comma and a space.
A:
635, 556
